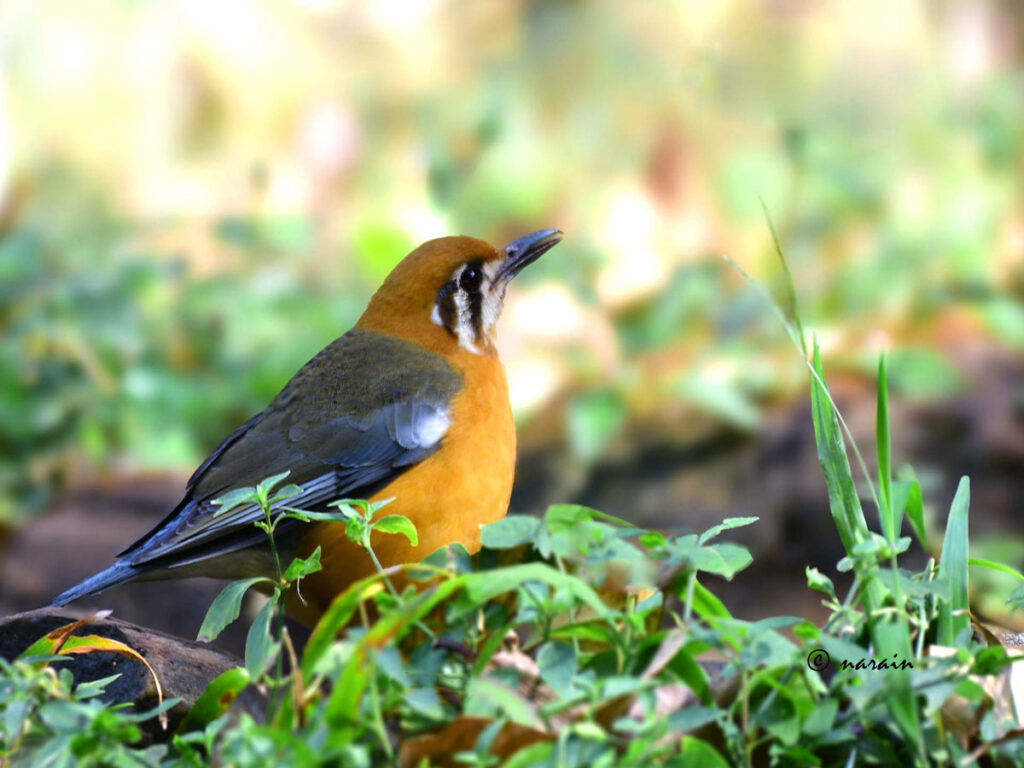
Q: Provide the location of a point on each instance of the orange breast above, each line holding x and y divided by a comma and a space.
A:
448, 496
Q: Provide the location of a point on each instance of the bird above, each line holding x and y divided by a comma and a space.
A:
411, 404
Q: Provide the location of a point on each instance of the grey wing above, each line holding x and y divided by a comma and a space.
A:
348, 444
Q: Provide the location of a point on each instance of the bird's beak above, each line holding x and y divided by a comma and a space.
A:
526, 250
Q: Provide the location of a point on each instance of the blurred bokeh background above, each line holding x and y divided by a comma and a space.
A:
195, 197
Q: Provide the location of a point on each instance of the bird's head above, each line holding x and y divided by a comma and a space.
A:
452, 287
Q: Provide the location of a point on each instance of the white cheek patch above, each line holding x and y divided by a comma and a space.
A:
464, 323
494, 299
435, 316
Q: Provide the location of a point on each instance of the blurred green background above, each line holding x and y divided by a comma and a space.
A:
197, 196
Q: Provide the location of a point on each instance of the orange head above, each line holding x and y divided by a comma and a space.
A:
448, 293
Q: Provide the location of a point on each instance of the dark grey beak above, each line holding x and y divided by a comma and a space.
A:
526, 250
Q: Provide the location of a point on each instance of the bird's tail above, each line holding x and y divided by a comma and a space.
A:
118, 573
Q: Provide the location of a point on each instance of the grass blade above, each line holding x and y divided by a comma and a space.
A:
886, 511
953, 567
790, 288
842, 493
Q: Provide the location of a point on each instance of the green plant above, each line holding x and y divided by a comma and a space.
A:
578, 639
46, 720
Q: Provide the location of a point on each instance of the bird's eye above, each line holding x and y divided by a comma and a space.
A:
471, 278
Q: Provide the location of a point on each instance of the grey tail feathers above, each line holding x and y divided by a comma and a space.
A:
118, 573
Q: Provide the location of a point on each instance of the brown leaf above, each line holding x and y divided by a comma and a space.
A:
460, 735
95, 644
63, 642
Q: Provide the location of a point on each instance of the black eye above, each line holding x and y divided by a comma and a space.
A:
471, 278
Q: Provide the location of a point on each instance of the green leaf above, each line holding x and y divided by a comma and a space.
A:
260, 645
953, 568
534, 755
306, 515
991, 660
397, 524
724, 560
686, 668
591, 631
691, 718
707, 605
89, 689
352, 508
286, 492
565, 517
451, 557
819, 581
148, 714
557, 664
914, 508
870, 548
806, 631
389, 661
216, 699
425, 702
780, 718
901, 701
343, 704
374, 507
357, 530
235, 498
728, 524
300, 567
481, 587
652, 540
226, 607
695, 753
486, 697
509, 532
264, 487
994, 566
821, 718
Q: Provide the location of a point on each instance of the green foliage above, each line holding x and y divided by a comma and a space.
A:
578, 648
45, 720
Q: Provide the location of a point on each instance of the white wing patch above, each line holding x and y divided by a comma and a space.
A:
430, 429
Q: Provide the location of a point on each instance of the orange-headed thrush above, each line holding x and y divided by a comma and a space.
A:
411, 404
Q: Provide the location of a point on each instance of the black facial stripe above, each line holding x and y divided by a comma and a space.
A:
447, 309
476, 304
